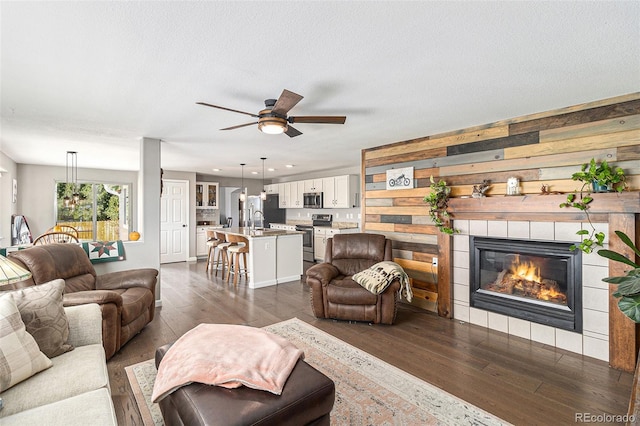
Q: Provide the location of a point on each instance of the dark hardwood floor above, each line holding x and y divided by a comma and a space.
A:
517, 380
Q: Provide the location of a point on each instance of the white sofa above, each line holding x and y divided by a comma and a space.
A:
75, 390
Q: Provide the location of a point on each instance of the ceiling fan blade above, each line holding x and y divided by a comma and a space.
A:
318, 119
239, 125
228, 109
285, 102
292, 133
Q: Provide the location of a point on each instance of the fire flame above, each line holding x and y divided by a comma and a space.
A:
528, 271
549, 294
523, 278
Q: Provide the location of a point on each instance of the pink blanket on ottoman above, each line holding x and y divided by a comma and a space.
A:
229, 356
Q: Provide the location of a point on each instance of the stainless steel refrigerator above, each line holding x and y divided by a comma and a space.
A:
271, 212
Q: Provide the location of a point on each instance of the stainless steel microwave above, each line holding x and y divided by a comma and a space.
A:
312, 200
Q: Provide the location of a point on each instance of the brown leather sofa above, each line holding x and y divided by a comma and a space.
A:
335, 295
126, 298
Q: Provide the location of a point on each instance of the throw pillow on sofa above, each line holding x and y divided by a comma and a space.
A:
20, 357
44, 317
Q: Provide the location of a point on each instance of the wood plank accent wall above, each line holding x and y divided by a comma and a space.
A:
543, 148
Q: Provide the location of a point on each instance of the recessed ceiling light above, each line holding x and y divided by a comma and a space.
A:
271, 169
289, 166
254, 173
216, 170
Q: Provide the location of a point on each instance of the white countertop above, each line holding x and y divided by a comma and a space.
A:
257, 233
338, 225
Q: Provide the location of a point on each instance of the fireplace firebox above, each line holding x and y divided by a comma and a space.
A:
538, 281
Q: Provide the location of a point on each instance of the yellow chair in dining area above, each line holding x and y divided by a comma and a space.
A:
238, 249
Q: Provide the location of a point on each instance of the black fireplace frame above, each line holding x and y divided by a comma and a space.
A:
567, 317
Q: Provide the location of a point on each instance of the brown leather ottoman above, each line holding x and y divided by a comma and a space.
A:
307, 399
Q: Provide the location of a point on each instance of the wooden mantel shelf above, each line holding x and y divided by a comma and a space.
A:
613, 202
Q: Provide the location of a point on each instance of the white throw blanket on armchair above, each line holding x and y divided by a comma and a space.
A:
377, 278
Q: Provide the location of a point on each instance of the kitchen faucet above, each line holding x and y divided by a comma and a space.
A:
250, 220
253, 218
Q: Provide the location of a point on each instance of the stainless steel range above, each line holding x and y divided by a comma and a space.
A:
307, 237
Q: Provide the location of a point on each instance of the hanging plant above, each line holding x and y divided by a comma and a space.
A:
438, 200
597, 178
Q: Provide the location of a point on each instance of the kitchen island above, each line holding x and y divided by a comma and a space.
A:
275, 255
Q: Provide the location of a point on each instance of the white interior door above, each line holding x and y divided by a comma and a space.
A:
174, 221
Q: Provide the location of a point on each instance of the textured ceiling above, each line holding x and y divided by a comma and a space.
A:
95, 77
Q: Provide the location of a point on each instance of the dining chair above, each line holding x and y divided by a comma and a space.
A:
65, 228
55, 237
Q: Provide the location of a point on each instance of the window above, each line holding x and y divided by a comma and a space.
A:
99, 211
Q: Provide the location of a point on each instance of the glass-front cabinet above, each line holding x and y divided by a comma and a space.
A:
207, 195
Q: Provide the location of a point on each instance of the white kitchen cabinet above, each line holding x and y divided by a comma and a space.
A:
313, 185
297, 191
320, 236
202, 238
340, 192
207, 195
291, 195
272, 188
283, 191
319, 244
201, 241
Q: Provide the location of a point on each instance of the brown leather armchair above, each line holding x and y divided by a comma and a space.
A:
126, 298
335, 295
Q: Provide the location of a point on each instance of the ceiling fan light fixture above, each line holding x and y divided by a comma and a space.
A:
272, 125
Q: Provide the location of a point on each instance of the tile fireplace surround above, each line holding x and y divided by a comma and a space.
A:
593, 341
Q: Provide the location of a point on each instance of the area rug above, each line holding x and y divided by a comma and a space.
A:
369, 391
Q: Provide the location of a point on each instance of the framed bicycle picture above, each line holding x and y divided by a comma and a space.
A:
400, 178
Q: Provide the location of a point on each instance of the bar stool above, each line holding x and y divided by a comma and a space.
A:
212, 243
222, 246
241, 247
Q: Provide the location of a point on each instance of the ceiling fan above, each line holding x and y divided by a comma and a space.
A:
273, 118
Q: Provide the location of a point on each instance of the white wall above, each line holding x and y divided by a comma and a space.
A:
7, 206
355, 170
339, 215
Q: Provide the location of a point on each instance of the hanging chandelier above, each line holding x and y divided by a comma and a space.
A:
243, 195
72, 170
263, 193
